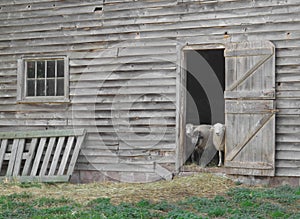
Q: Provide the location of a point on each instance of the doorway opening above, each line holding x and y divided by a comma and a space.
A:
205, 85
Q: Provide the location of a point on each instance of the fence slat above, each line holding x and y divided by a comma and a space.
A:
79, 142
30, 157
12, 158
2, 151
38, 156
66, 155
55, 160
18, 159
47, 156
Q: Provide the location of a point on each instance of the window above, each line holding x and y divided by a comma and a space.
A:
43, 80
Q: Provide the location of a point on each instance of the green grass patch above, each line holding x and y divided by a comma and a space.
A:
281, 202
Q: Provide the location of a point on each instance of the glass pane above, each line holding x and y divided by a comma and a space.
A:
30, 69
50, 87
41, 69
40, 90
30, 88
50, 69
60, 87
60, 68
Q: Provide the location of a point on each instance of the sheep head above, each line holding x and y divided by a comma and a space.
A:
195, 135
219, 136
189, 129
219, 129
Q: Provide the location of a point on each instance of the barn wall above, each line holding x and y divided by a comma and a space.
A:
130, 48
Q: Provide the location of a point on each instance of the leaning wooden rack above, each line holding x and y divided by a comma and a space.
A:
44, 156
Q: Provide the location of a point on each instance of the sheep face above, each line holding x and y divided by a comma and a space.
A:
219, 129
195, 135
189, 129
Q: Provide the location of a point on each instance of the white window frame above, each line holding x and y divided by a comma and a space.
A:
22, 77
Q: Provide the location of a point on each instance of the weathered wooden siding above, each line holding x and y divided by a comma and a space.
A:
132, 45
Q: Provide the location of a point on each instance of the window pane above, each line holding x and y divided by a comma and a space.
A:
50, 69
40, 91
30, 69
60, 68
30, 88
41, 69
60, 87
50, 87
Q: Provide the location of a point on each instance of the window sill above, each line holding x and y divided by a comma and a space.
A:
43, 100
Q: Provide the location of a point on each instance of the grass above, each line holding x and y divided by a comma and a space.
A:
235, 201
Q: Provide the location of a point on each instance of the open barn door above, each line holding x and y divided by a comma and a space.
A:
249, 108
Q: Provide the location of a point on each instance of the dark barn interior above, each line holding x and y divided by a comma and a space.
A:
205, 86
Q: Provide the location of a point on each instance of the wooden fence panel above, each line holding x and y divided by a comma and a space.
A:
47, 156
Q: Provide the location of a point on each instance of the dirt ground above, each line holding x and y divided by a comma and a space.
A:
200, 185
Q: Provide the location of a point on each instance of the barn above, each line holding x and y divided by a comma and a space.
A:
132, 73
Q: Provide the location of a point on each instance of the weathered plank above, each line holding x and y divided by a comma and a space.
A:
72, 163
66, 155
55, 159
30, 157
20, 150
35, 134
4, 143
47, 156
12, 158
51, 179
249, 106
38, 156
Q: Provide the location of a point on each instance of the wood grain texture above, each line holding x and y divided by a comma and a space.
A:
133, 45
40, 157
250, 135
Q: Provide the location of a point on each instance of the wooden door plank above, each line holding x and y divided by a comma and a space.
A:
19, 155
263, 94
249, 108
257, 128
38, 157
79, 142
244, 77
66, 155
12, 157
3, 147
47, 156
248, 52
30, 157
56, 156
251, 165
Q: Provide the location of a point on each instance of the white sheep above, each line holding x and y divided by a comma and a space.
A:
199, 135
218, 131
